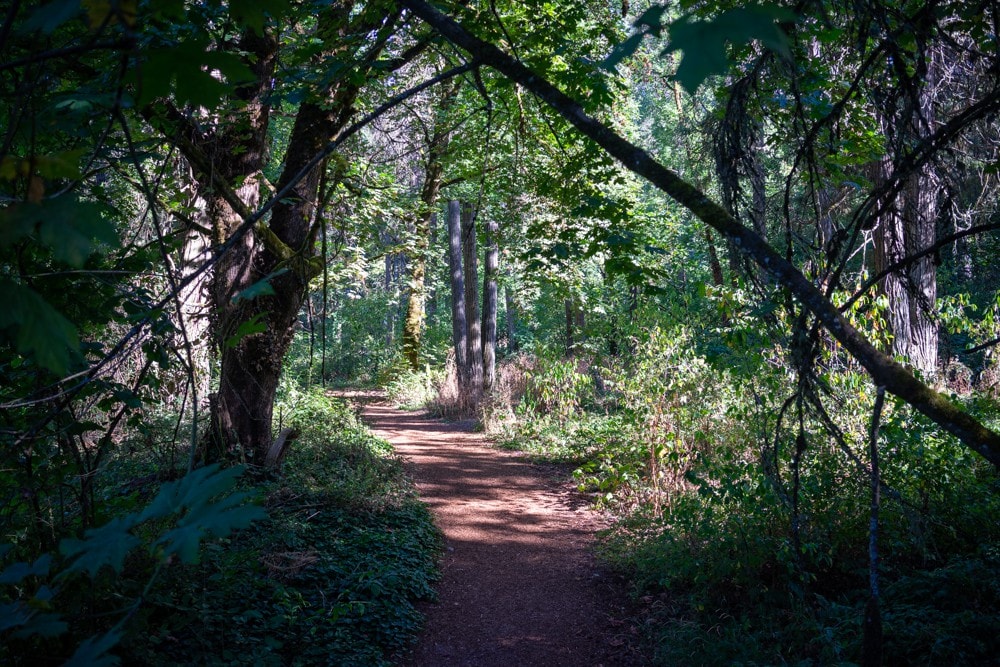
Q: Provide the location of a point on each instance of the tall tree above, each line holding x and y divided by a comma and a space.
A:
473, 324
229, 152
459, 328
907, 224
510, 319
782, 269
436, 138
490, 271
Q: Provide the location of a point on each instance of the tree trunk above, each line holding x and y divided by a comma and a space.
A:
510, 319
437, 147
961, 251
248, 374
713, 260
458, 326
905, 227
570, 344
194, 300
253, 334
431, 307
576, 320
490, 271
413, 322
473, 336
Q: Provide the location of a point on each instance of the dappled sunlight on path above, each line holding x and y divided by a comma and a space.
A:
520, 586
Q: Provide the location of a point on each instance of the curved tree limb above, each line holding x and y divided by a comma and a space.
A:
883, 369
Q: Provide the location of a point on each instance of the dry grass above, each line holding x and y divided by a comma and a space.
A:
513, 377
284, 565
451, 402
494, 410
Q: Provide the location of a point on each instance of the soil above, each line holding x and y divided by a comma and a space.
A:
520, 585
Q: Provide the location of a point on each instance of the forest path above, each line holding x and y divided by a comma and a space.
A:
520, 586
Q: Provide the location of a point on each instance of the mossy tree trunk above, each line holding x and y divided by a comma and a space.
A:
473, 325
437, 147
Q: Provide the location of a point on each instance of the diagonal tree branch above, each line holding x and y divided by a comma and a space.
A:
883, 369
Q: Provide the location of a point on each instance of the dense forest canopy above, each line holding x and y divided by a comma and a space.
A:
683, 216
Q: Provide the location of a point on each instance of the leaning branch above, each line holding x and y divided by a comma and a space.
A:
884, 370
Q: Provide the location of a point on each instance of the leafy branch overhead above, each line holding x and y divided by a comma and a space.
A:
704, 42
884, 369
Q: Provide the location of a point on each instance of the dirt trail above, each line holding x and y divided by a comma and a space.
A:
520, 586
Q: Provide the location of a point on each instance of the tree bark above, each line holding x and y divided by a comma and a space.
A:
473, 337
906, 227
510, 319
248, 376
195, 313
490, 271
437, 147
884, 371
413, 322
713, 260
570, 342
458, 320
576, 321
253, 334
431, 306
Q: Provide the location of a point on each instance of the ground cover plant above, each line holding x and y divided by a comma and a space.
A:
338, 553
331, 576
733, 567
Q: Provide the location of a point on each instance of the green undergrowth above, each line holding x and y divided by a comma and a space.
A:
682, 449
330, 577
413, 390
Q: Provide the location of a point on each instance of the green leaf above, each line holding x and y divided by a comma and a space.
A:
73, 229
13, 226
248, 328
13, 614
16, 572
107, 545
52, 15
169, 9
73, 239
198, 486
253, 13
29, 622
204, 517
623, 50
39, 330
197, 74
260, 288
217, 519
40, 625
703, 42
652, 18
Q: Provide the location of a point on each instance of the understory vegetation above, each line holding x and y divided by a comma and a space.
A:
745, 546
332, 557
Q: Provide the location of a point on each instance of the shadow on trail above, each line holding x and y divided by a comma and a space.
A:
519, 582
